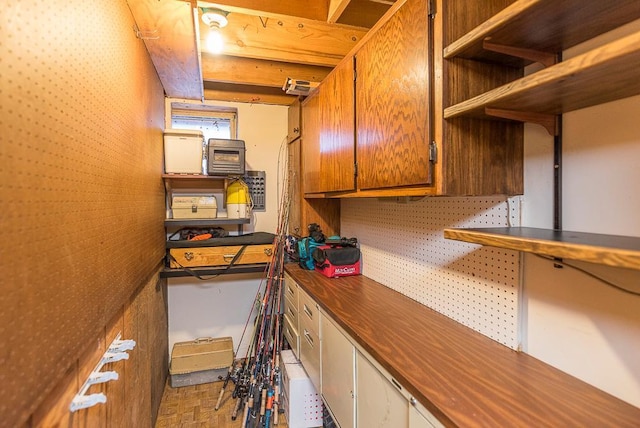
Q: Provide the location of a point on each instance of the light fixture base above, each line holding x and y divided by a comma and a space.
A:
214, 17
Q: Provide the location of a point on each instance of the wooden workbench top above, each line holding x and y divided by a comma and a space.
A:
463, 377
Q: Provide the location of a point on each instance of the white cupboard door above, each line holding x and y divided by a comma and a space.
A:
419, 417
379, 402
337, 373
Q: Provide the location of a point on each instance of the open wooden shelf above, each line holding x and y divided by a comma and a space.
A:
548, 26
611, 250
604, 74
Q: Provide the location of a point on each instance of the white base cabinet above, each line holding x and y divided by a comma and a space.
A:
379, 402
337, 373
356, 389
419, 417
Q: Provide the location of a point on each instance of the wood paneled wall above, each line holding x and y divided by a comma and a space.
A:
132, 400
82, 200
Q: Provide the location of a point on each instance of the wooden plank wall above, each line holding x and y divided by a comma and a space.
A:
82, 200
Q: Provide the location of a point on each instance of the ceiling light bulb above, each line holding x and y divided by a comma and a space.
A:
215, 42
215, 19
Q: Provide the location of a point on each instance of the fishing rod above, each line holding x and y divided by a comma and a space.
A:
257, 379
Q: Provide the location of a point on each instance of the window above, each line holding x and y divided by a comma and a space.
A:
214, 122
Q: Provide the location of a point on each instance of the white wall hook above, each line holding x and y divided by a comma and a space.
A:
115, 352
101, 377
112, 357
85, 401
122, 345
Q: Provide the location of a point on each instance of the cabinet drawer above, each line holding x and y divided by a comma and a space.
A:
219, 256
291, 290
308, 313
310, 354
291, 311
290, 332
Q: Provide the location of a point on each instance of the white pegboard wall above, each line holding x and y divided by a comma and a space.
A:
403, 248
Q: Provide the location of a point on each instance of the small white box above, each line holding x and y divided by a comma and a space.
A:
302, 405
183, 151
194, 206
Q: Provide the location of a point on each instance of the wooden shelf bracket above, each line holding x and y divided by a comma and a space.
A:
545, 58
549, 121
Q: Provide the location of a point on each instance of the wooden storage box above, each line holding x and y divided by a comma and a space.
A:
194, 206
203, 360
219, 256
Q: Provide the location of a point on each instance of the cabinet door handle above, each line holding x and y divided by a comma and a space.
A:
290, 290
308, 337
396, 384
291, 312
308, 311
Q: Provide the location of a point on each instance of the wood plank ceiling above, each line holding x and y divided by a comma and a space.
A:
266, 42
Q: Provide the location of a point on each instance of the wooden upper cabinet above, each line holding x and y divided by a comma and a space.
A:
393, 102
385, 134
328, 156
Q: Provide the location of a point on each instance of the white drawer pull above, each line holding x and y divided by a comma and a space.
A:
308, 337
308, 311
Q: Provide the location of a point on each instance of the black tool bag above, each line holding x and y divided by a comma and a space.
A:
333, 261
337, 256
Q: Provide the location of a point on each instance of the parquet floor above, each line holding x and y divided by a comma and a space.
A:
192, 406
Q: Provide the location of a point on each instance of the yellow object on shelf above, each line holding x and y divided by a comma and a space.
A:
238, 200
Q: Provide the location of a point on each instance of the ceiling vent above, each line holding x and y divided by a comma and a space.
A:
299, 87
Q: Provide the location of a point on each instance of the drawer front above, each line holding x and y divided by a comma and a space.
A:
291, 290
308, 314
310, 354
219, 256
291, 311
291, 334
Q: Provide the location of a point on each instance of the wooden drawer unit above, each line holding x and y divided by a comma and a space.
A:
219, 256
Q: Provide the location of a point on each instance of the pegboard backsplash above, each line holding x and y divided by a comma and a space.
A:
403, 248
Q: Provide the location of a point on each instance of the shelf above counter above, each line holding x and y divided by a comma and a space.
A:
544, 26
611, 250
603, 74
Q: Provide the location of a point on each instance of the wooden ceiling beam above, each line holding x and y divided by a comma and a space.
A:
336, 7
312, 10
288, 39
256, 72
168, 30
246, 94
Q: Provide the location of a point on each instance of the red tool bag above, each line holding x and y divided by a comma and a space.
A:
335, 261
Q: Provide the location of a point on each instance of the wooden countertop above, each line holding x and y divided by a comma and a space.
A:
463, 377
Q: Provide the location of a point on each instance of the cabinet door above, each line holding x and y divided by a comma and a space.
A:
324, 212
393, 102
328, 120
337, 356
419, 417
379, 402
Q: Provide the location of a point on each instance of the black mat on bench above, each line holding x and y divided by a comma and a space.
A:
256, 238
